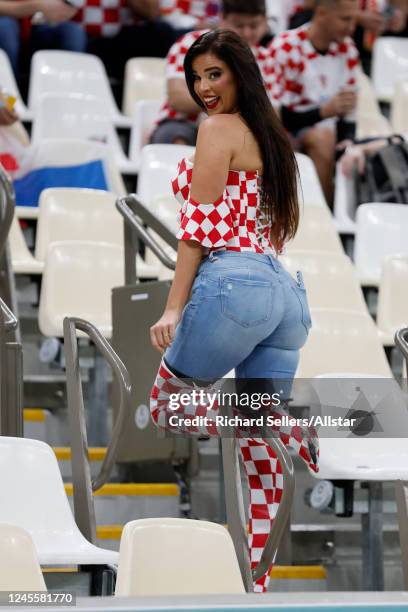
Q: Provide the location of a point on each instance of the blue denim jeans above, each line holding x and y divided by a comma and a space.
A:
246, 312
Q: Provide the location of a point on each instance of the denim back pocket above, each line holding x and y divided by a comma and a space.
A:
300, 290
247, 302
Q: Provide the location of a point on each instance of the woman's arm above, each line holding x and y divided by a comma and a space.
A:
211, 165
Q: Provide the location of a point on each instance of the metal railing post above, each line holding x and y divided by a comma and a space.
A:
11, 375
83, 485
401, 486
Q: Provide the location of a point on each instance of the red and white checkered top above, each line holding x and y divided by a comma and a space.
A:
303, 77
105, 17
202, 10
234, 222
175, 70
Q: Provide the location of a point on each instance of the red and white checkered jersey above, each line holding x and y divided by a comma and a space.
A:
303, 77
201, 10
105, 17
234, 222
175, 70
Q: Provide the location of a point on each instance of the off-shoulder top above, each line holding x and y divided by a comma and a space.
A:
234, 222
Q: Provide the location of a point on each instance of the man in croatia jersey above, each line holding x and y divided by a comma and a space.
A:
179, 116
315, 83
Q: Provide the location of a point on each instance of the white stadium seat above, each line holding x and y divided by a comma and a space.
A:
84, 215
330, 279
392, 310
19, 566
144, 80
390, 64
399, 117
382, 230
310, 190
68, 72
342, 341
316, 232
34, 498
174, 556
158, 168
80, 116
144, 118
22, 260
77, 281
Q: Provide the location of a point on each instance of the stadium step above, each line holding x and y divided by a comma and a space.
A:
124, 502
35, 423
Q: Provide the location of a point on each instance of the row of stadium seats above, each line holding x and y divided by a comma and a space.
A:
37, 528
67, 72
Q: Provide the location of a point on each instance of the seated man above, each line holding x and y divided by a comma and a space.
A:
118, 30
179, 116
314, 83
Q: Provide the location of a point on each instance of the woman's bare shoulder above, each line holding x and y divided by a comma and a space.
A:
222, 121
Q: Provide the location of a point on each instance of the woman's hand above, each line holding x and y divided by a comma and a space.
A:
162, 332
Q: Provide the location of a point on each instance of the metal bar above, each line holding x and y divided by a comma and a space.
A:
131, 243
97, 401
14, 425
401, 495
84, 508
401, 486
10, 322
401, 340
235, 508
135, 214
372, 528
11, 376
7, 206
82, 483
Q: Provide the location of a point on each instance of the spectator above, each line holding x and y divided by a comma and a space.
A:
54, 32
374, 18
121, 29
314, 83
179, 116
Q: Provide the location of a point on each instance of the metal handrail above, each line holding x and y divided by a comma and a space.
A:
7, 206
82, 483
135, 215
401, 340
10, 321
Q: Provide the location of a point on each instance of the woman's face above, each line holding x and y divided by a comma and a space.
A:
214, 84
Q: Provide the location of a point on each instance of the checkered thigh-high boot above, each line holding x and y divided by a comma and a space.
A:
263, 470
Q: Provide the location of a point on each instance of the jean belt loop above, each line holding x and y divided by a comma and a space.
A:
274, 263
212, 256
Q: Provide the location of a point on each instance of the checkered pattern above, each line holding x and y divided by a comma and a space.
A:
234, 222
303, 78
175, 70
105, 17
263, 470
202, 10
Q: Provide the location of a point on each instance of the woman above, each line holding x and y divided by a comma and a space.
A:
239, 206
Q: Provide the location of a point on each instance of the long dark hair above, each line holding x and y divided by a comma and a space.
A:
280, 172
